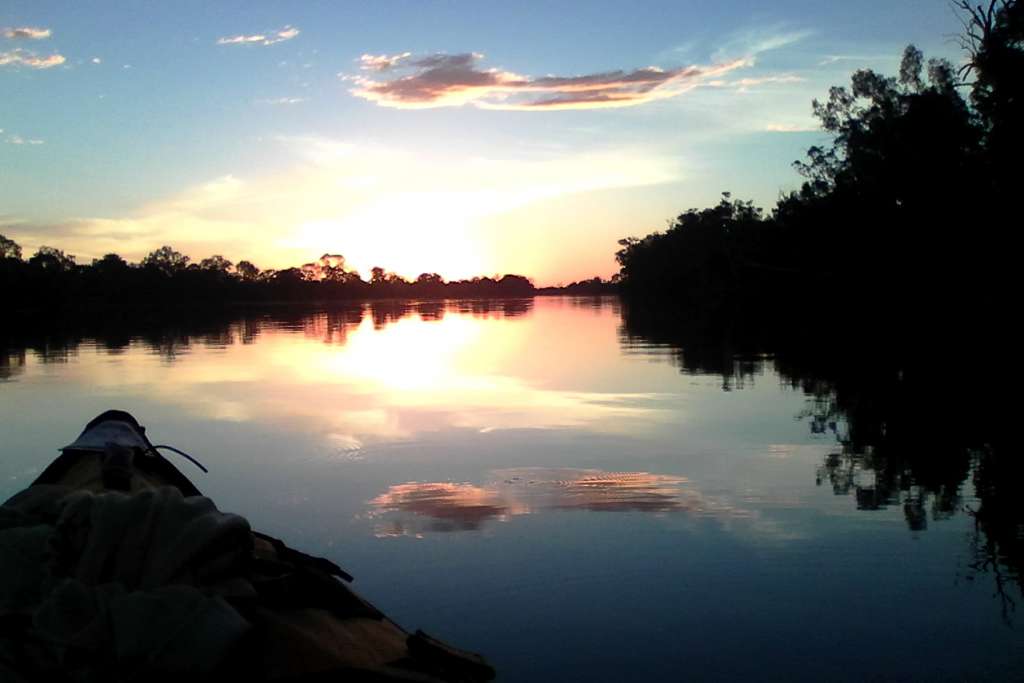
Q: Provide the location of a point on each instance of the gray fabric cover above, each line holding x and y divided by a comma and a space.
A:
99, 436
132, 582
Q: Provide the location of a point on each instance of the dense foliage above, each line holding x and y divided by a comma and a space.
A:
907, 210
51, 280
881, 288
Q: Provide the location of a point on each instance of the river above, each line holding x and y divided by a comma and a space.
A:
550, 484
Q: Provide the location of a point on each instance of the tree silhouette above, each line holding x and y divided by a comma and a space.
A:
110, 263
51, 259
9, 249
993, 38
216, 263
166, 260
247, 271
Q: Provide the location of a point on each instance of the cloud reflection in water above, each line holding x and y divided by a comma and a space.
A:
416, 508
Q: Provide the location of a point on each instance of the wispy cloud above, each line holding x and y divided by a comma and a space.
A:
382, 62
18, 140
241, 40
442, 80
752, 42
833, 59
279, 36
20, 57
792, 127
746, 84
764, 80
26, 32
282, 100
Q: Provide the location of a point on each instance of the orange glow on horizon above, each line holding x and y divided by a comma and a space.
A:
546, 218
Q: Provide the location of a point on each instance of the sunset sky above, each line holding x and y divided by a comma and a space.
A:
460, 138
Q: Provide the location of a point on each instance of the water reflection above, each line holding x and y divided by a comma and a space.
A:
416, 508
912, 430
171, 334
382, 371
12, 363
528, 442
447, 507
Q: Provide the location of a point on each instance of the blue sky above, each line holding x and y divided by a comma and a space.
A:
454, 137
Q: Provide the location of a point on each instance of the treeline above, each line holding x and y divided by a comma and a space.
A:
908, 213
595, 286
51, 279
881, 289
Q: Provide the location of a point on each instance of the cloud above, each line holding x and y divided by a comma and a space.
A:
764, 80
792, 127
382, 62
753, 42
833, 59
26, 33
443, 80
282, 100
241, 40
18, 140
745, 84
20, 57
286, 33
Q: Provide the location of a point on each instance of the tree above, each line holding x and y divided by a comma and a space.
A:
247, 271
332, 269
9, 248
216, 263
311, 272
881, 124
166, 260
429, 279
993, 38
893, 192
516, 285
698, 257
110, 264
51, 259
332, 261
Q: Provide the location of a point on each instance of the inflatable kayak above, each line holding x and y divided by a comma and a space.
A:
114, 567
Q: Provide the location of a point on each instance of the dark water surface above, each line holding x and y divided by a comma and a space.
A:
549, 485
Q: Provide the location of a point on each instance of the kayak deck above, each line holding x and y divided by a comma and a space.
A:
122, 568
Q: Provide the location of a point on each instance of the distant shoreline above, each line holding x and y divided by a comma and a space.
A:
76, 310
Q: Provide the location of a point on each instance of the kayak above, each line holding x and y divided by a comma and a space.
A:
113, 566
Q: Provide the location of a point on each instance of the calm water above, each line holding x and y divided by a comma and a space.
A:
534, 481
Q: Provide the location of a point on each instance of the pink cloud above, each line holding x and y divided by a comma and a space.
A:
19, 57
452, 80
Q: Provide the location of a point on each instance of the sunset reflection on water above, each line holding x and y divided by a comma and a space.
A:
380, 373
506, 473
416, 508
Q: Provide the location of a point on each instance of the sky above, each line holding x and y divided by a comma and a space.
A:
451, 137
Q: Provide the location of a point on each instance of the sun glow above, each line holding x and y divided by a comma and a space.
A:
410, 213
407, 234
382, 360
